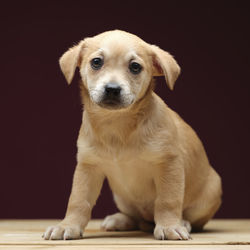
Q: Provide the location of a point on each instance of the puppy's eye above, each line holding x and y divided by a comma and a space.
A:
96, 63
135, 68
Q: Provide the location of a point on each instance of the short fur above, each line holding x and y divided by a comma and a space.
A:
155, 163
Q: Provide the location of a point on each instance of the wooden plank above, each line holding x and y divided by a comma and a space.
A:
28, 233
112, 247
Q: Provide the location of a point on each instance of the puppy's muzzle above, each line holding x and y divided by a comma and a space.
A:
112, 94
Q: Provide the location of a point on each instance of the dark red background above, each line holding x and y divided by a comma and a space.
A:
41, 115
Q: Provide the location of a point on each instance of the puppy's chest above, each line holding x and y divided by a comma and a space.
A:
130, 176
130, 167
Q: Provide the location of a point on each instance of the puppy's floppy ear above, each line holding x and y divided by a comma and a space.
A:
70, 60
165, 64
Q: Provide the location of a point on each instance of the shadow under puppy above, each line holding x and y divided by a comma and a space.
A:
155, 163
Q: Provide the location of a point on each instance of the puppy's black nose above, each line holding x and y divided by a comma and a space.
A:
112, 90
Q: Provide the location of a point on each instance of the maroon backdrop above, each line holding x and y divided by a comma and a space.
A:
41, 115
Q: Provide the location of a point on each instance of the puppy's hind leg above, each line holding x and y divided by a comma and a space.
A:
126, 220
119, 222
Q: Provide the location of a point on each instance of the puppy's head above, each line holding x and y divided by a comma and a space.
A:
117, 67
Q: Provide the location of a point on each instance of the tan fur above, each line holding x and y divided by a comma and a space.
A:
155, 163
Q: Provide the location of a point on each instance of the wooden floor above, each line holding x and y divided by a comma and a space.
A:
218, 234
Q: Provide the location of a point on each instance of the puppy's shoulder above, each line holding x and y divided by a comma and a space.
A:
163, 114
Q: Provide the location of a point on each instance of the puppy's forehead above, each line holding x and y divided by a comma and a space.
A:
119, 43
118, 49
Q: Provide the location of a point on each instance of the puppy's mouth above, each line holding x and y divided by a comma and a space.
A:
113, 103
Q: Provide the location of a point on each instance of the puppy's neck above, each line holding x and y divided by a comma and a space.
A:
116, 125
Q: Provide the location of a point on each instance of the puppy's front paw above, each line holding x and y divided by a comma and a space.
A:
174, 232
63, 232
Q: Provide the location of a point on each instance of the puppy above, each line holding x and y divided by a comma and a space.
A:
155, 163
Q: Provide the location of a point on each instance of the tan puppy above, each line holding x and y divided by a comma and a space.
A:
155, 163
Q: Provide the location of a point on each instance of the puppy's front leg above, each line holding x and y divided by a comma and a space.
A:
86, 187
169, 181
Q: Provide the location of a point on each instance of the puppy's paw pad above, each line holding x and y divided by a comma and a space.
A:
118, 222
175, 232
62, 233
